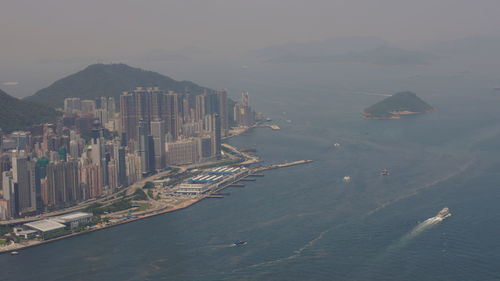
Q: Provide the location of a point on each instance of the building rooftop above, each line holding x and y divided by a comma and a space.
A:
72, 217
45, 225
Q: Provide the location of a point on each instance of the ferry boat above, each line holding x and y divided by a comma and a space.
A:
444, 213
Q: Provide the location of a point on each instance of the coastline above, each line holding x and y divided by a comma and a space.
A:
248, 159
179, 207
395, 115
128, 190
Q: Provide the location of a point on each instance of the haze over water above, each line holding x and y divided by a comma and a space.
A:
304, 222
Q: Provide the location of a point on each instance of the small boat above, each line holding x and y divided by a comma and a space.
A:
384, 172
14, 253
444, 213
336, 144
239, 243
346, 179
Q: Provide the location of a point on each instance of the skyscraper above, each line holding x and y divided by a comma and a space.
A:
172, 116
9, 194
222, 99
216, 136
158, 134
122, 168
129, 115
21, 173
97, 153
72, 105
143, 146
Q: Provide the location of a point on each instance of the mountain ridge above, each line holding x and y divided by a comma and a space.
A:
111, 80
16, 114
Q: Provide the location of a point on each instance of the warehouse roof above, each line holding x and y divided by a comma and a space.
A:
45, 225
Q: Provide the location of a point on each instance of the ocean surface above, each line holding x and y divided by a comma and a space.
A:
305, 222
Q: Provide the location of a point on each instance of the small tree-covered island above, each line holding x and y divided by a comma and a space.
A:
403, 103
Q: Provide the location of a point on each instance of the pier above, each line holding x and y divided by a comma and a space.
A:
281, 165
247, 179
215, 196
222, 193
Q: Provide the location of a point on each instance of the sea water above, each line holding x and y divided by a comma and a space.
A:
305, 222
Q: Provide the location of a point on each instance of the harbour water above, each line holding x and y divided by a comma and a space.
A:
305, 222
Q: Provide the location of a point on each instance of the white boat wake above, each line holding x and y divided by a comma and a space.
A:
420, 228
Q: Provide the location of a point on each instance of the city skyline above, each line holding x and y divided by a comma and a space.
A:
58, 165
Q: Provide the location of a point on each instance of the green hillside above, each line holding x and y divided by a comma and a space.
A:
398, 104
16, 114
108, 80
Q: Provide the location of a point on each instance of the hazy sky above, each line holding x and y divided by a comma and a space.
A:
40, 31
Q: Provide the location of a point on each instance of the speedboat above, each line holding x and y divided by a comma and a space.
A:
239, 243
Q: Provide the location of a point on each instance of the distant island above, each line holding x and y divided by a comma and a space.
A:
403, 103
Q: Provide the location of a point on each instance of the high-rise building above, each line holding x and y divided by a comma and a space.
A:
245, 101
243, 113
22, 171
158, 134
97, 153
122, 168
9, 194
62, 186
134, 169
182, 152
143, 146
88, 107
112, 176
146, 105
72, 105
172, 116
22, 140
129, 115
200, 107
216, 136
204, 148
40, 173
222, 106
108, 105
102, 115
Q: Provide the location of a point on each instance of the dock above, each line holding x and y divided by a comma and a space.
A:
248, 179
281, 165
215, 196
222, 194
236, 185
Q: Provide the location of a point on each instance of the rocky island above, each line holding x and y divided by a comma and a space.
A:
403, 103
